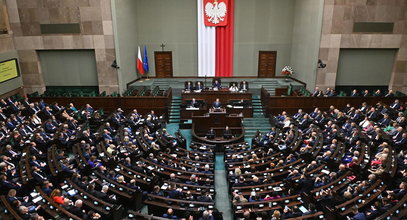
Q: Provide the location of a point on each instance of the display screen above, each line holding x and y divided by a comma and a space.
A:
9, 70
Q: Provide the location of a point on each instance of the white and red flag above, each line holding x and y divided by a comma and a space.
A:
215, 38
140, 66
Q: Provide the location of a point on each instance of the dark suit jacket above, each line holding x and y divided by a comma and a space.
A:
217, 104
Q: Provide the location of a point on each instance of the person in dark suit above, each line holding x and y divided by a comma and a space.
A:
316, 92
372, 114
389, 93
170, 214
378, 93
385, 121
77, 209
395, 105
7, 185
216, 85
306, 184
366, 93
189, 86
227, 134
38, 176
402, 142
47, 112
211, 134
3, 117
354, 93
244, 86
217, 104
175, 193
194, 103
198, 86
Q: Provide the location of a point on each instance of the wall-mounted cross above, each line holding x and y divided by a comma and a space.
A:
162, 46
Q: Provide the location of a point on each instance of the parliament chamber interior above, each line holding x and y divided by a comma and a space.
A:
203, 109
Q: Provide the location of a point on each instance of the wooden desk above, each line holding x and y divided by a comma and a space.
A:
144, 104
223, 95
217, 121
189, 113
276, 104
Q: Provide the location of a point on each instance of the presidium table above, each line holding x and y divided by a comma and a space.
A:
235, 106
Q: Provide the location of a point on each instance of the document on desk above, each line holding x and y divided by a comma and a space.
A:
192, 108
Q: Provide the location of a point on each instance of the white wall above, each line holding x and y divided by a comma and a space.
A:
306, 38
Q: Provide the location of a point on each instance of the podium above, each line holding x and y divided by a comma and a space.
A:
217, 119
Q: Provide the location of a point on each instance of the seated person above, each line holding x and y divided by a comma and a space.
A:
217, 104
199, 86
194, 103
189, 86
216, 85
211, 134
244, 86
233, 88
227, 134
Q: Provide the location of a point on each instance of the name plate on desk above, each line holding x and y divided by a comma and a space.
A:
237, 106
192, 108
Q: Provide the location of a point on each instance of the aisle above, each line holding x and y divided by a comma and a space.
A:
222, 199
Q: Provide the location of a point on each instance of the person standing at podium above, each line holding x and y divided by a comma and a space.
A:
217, 104
194, 103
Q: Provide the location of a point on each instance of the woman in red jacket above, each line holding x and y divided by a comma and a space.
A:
56, 196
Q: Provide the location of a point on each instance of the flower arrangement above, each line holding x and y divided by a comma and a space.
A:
287, 71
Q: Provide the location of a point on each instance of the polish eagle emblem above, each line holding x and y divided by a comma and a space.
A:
215, 12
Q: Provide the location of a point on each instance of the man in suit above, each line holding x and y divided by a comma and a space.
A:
316, 92
358, 215
329, 92
244, 86
298, 116
389, 93
189, 86
372, 114
194, 103
211, 134
305, 183
385, 121
354, 93
198, 87
170, 214
175, 193
38, 176
103, 194
378, 93
364, 108
77, 209
227, 134
3, 117
304, 122
217, 104
216, 85
395, 105
366, 93
400, 143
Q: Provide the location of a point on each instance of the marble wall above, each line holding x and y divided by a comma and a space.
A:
95, 19
337, 33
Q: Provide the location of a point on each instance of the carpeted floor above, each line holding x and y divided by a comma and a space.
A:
222, 199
